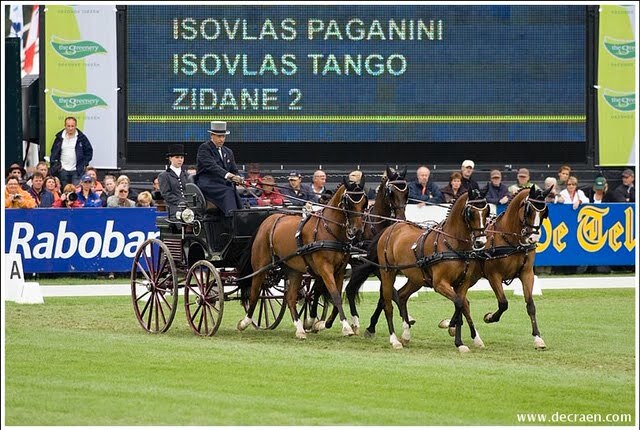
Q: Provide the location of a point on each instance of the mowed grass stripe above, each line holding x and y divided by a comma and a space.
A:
85, 361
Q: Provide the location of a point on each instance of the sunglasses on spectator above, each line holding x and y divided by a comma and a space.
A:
123, 192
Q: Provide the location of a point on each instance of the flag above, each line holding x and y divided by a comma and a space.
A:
31, 64
15, 16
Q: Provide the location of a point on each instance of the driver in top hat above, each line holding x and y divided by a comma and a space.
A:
217, 173
174, 180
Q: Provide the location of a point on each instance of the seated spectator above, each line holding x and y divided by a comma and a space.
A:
453, 189
121, 198
124, 179
41, 167
97, 186
155, 185
109, 189
523, 182
599, 191
554, 195
51, 185
270, 195
563, 175
297, 193
43, 198
87, 197
318, 184
144, 200
18, 171
572, 195
422, 190
466, 170
625, 192
496, 192
68, 198
15, 197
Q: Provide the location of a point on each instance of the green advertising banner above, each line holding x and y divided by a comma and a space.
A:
80, 76
616, 86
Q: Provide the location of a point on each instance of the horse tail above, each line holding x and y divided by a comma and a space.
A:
245, 269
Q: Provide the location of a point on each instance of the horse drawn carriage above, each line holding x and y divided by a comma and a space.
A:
195, 254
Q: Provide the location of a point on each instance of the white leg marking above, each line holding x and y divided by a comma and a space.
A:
394, 342
538, 343
300, 334
477, 342
406, 333
346, 328
244, 323
355, 324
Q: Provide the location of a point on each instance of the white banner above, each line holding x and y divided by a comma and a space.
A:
81, 76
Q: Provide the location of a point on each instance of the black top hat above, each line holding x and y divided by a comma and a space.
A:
176, 149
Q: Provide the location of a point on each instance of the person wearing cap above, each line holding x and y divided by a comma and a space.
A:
86, 196
422, 190
18, 171
217, 174
496, 192
466, 170
71, 153
270, 195
523, 179
173, 181
298, 193
626, 191
573, 195
599, 192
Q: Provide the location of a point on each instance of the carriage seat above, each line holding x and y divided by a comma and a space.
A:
200, 204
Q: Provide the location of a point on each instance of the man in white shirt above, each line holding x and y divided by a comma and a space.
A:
71, 153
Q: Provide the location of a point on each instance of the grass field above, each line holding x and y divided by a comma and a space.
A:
85, 361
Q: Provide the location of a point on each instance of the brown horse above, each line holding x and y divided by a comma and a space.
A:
319, 243
510, 253
438, 257
391, 201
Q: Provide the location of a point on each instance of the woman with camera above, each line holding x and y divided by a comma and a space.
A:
68, 198
15, 197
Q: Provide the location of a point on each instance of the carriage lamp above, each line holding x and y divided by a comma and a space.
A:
184, 214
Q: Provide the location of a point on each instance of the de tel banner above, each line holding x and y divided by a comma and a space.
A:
101, 240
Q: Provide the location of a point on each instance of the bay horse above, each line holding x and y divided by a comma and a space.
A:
438, 257
319, 243
390, 204
510, 253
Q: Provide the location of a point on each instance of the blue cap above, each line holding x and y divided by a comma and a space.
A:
294, 174
86, 178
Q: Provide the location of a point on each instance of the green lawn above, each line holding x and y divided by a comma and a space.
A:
85, 361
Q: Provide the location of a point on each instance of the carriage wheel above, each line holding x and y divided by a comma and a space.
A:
204, 298
270, 307
154, 286
306, 299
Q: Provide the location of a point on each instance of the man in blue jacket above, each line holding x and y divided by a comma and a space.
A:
422, 190
71, 153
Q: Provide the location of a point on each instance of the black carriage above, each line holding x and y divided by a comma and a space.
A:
197, 254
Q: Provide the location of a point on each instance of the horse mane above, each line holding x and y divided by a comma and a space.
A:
457, 205
522, 194
337, 196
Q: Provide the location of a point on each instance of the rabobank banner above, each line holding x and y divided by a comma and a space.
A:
81, 76
105, 240
78, 240
617, 86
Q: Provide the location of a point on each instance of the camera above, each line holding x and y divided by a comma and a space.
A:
17, 197
72, 197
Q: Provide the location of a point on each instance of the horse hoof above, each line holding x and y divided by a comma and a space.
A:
308, 323
452, 331
478, 343
397, 345
404, 341
240, 326
317, 326
463, 349
488, 317
444, 324
538, 343
347, 331
356, 329
301, 336
369, 334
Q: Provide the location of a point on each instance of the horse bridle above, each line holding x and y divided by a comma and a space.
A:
469, 207
346, 205
399, 185
529, 205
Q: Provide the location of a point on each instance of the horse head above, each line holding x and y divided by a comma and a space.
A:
397, 192
476, 211
534, 210
353, 202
